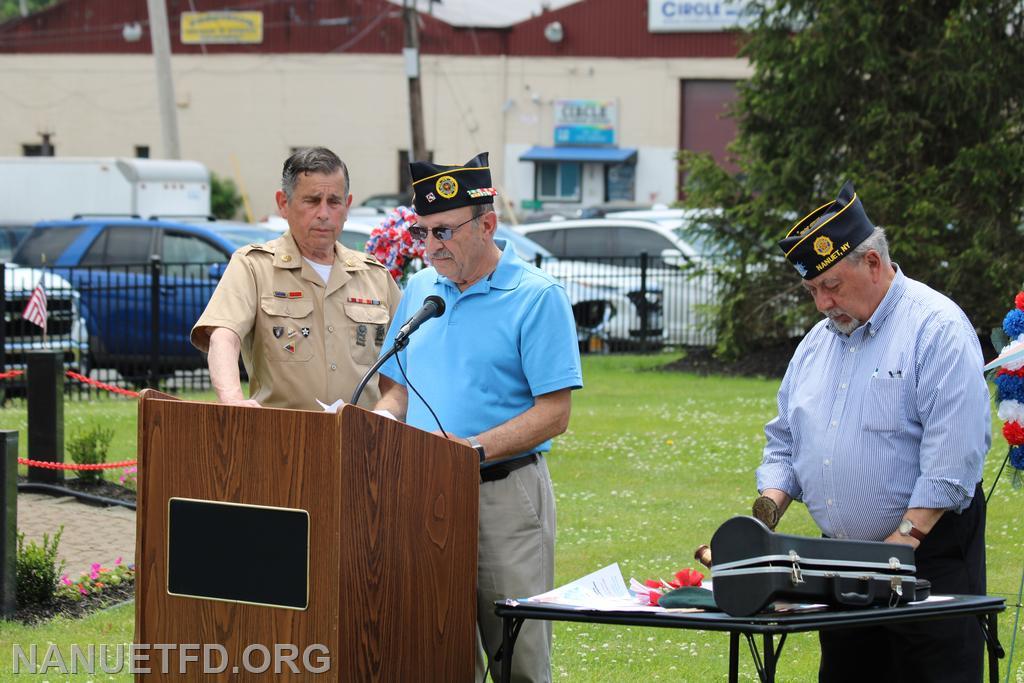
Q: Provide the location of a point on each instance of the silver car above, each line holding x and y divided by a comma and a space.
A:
611, 308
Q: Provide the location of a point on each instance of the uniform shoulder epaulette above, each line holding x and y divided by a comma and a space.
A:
249, 248
372, 260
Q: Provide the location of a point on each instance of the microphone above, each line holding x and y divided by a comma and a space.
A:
433, 307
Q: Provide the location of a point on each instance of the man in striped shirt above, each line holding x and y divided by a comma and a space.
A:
882, 432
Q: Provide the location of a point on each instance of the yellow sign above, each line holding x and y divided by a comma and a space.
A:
203, 28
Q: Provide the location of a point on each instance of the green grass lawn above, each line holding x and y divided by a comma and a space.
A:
652, 463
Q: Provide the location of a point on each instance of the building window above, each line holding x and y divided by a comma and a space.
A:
558, 181
141, 151
44, 150
620, 182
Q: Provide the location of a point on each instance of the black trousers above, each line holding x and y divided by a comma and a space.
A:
952, 557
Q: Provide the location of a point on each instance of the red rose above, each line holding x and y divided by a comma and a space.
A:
652, 583
653, 598
1019, 300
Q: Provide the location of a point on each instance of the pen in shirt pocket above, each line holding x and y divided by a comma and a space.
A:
875, 374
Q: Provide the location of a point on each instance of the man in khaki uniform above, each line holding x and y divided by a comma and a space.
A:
308, 315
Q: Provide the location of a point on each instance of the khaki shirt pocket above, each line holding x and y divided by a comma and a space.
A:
283, 323
367, 327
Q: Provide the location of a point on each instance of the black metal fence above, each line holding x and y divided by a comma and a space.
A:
128, 325
638, 303
123, 325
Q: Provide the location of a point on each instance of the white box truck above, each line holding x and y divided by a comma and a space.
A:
57, 188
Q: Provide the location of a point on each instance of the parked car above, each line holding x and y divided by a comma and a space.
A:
688, 225
65, 327
10, 237
674, 266
607, 301
108, 262
609, 239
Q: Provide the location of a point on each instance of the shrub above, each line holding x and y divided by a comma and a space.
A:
37, 570
90, 448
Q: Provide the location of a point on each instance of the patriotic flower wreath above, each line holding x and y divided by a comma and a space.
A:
1009, 382
392, 245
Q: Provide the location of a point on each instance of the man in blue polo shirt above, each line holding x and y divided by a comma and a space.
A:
498, 369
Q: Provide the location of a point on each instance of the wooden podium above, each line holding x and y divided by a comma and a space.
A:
389, 556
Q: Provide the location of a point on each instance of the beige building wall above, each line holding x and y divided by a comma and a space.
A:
241, 114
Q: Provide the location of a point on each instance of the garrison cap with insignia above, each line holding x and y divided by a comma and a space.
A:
823, 237
441, 188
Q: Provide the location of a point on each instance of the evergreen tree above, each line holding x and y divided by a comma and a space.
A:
920, 104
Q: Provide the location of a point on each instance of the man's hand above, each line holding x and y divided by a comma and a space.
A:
923, 518
242, 403
451, 437
897, 537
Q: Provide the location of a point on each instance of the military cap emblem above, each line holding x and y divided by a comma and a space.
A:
447, 186
431, 197
823, 246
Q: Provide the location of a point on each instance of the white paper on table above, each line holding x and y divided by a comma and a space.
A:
333, 408
603, 590
932, 598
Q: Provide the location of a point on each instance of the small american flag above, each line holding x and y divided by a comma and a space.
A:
35, 309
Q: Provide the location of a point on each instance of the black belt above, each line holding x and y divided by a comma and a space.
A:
503, 469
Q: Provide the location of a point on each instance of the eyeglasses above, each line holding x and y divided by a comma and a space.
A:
442, 232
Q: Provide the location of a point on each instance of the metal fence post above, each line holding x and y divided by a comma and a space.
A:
8, 522
154, 323
45, 413
645, 314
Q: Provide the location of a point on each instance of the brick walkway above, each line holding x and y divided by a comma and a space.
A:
91, 533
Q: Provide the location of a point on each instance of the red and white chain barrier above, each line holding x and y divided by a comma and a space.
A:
81, 378
67, 466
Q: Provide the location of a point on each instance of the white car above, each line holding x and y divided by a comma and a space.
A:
65, 327
606, 300
683, 277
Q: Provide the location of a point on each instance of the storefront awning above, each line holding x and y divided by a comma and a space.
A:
596, 155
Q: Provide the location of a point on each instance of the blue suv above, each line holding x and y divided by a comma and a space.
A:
125, 268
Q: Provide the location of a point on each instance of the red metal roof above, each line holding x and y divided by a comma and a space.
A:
592, 28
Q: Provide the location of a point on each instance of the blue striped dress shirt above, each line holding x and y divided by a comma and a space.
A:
893, 416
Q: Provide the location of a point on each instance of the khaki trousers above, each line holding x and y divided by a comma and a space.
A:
516, 560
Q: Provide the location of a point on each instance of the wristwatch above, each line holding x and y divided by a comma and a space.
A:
907, 528
477, 446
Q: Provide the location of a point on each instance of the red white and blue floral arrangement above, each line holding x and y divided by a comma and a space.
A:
1009, 380
392, 245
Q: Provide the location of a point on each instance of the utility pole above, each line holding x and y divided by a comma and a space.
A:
411, 52
160, 36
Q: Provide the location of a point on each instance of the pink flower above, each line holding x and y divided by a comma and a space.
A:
117, 561
65, 580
